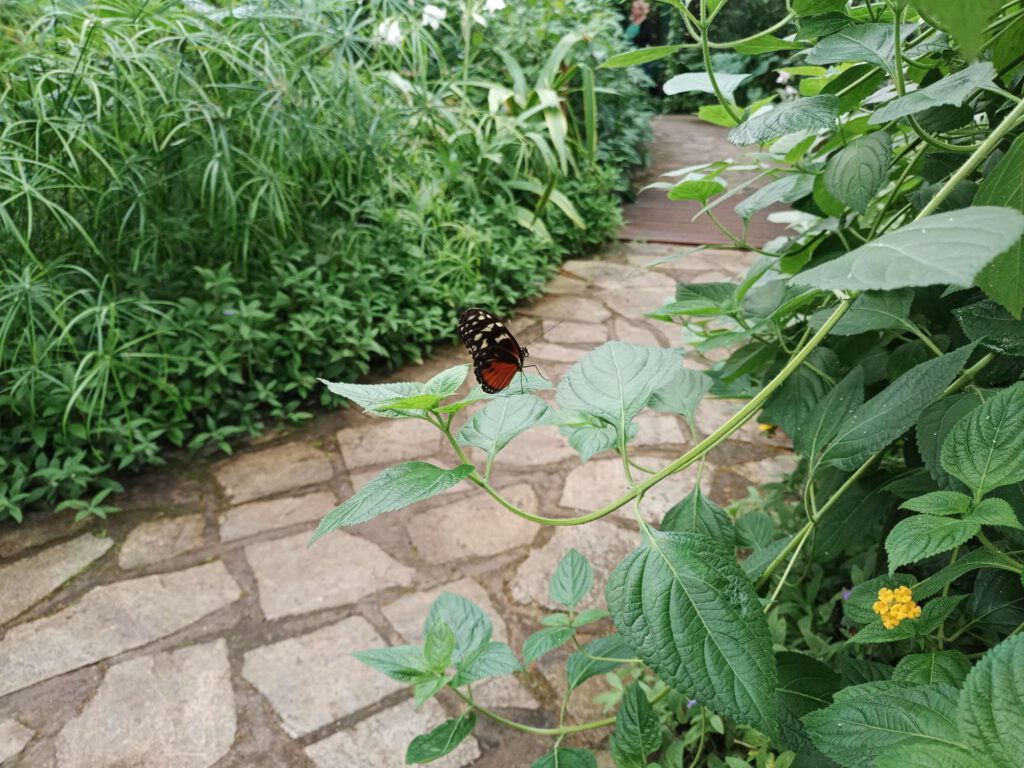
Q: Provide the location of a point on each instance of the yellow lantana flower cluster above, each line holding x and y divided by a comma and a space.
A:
895, 605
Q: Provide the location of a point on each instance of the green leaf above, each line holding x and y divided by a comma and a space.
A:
765, 44
805, 684
467, 620
616, 380
589, 616
597, 657
913, 754
876, 311
696, 189
698, 514
698, 300
819, 426
942, 249
754, 530
438, 646
491, 660
893, 411
854, 85
939, 503
934, 424
856, 173
587, 434
682, 394
943, 667
816, 7
996, 329
640, 56
922, 536
991, 715
404, 663
447, 383
441, 740
493, 427
637, 730
858, 606
965, 20
985, 449
428, 687
817, 113
374, 398
951, 90
572, 580
870, 43
864, 722
791, 404
688, 82
394, 488
545, 640
563, 757
994, 511
788, 189
716, 114
979, 558
1003, 279
681, 591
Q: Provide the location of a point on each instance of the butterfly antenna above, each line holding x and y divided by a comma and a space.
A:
545, 333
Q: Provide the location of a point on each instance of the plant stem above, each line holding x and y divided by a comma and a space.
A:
534, 729
705, 50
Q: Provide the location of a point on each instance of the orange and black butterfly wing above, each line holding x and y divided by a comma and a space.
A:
497, 356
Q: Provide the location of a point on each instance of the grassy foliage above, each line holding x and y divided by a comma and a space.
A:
201, 205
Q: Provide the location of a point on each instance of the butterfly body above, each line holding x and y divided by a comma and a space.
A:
497, 356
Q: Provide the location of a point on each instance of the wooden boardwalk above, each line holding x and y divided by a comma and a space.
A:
681, 141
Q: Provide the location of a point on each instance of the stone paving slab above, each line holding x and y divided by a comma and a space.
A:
259, 516
25, 582
380, 741
275, 470
169, 710
112, 619
295, 578
313, 680
388, 441
159, 540
13, 738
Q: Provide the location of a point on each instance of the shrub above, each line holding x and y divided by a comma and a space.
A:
196, 198
868, 611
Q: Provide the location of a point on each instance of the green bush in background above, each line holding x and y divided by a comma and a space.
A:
199, 205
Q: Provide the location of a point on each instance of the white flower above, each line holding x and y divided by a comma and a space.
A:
433, 16
389, 32
494, 5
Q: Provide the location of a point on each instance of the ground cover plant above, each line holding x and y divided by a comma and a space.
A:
195, 197
869, 611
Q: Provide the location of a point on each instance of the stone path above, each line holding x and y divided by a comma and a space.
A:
196, 629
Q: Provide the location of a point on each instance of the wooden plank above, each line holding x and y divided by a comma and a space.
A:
681, 141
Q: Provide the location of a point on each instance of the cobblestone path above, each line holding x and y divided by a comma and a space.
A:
196, 629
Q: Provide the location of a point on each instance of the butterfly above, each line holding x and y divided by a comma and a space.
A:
497, 356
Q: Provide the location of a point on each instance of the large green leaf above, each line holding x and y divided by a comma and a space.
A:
943, 667
394, 488
466, 620
616, 380
922, 536
972, 561
564, 757
689, 82
989, 323
685, 607
991, 711
1003, 279
817, 113
698, 514
639, 56
545, 640
501, 420
870, 43
493, 659
587, 434
914, 754
985, 449
572, 580
637, 730
791, 404
995, 511
893, 411
942, 249
941, 503
934, 424
404, 663
788, 189
965, 20
816, 7
447, 382
805, 684
813, 432
682, 394
866, 721
373, 398
856, 173
441, 740
951, 90
597, 657
876, 311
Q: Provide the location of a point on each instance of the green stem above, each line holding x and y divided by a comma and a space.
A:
773, 28
533, 729
705, 50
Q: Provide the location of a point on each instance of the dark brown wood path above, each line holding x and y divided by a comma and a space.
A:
681, 141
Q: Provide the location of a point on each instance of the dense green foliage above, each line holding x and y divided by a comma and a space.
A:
869, 612
201, 205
